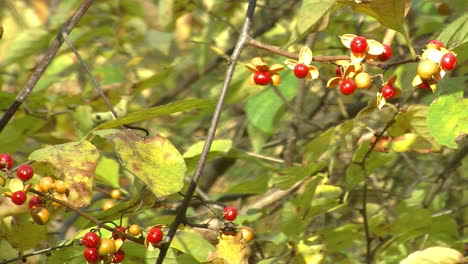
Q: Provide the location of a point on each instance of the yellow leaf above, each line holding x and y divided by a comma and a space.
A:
434, 255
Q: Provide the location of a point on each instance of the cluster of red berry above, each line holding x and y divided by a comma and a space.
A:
18, 194
435, 61
109, 249
350, 74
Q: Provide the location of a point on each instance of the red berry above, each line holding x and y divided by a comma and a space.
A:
338, 72
25, 172
91, 240
301, 70
118, 256
19, 197
437, 43
348, 87
262, 78
425, 86
121, 229
35, 201
91, 255
386, 54
359, 45
155, 235
230, 213
448, 61
6, 161
388, 91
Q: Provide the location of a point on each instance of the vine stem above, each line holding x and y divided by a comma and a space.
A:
181, 213
44, 63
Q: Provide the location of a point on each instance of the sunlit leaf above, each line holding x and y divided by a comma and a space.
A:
76, 161
306, 20
153, 160
447, 118
192, 244
434, 255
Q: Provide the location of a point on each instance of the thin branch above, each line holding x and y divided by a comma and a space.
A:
329, 59
38, 252
297, 117
96, 84
86, 216
44, 63
180, 217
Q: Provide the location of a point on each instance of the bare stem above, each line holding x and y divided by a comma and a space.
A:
180, 217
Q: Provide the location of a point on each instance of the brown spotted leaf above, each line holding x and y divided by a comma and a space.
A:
153, 160
75, 163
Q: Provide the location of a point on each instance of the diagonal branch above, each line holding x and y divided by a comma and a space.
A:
181, 213
44, 63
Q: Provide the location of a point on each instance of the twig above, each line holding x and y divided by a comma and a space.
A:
86, 216
297, 117
362, 163
187, 83
95, 82
44, 63
38, 252
329, 59
180, 217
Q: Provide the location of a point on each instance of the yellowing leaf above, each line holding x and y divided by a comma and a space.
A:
153, 160
231, 250
76, 161
434, 255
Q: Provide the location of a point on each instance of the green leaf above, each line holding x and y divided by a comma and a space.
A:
411, 223
71, 255
291, 225
307, 20
179, 106
414, 120
263, 108
153, 160
76, 161
340, 238
27, 43
456, 33
325, 144
286, 178
354, 176
192, 244
390, 13
107, 172
447, 118
22, 234
435, 255
15, 133
220, 145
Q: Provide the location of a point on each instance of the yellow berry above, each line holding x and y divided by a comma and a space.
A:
363, 80
427, 68
46, 183
60, 186
134, 230
40, 215
116, 194
108, 205
107, 247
